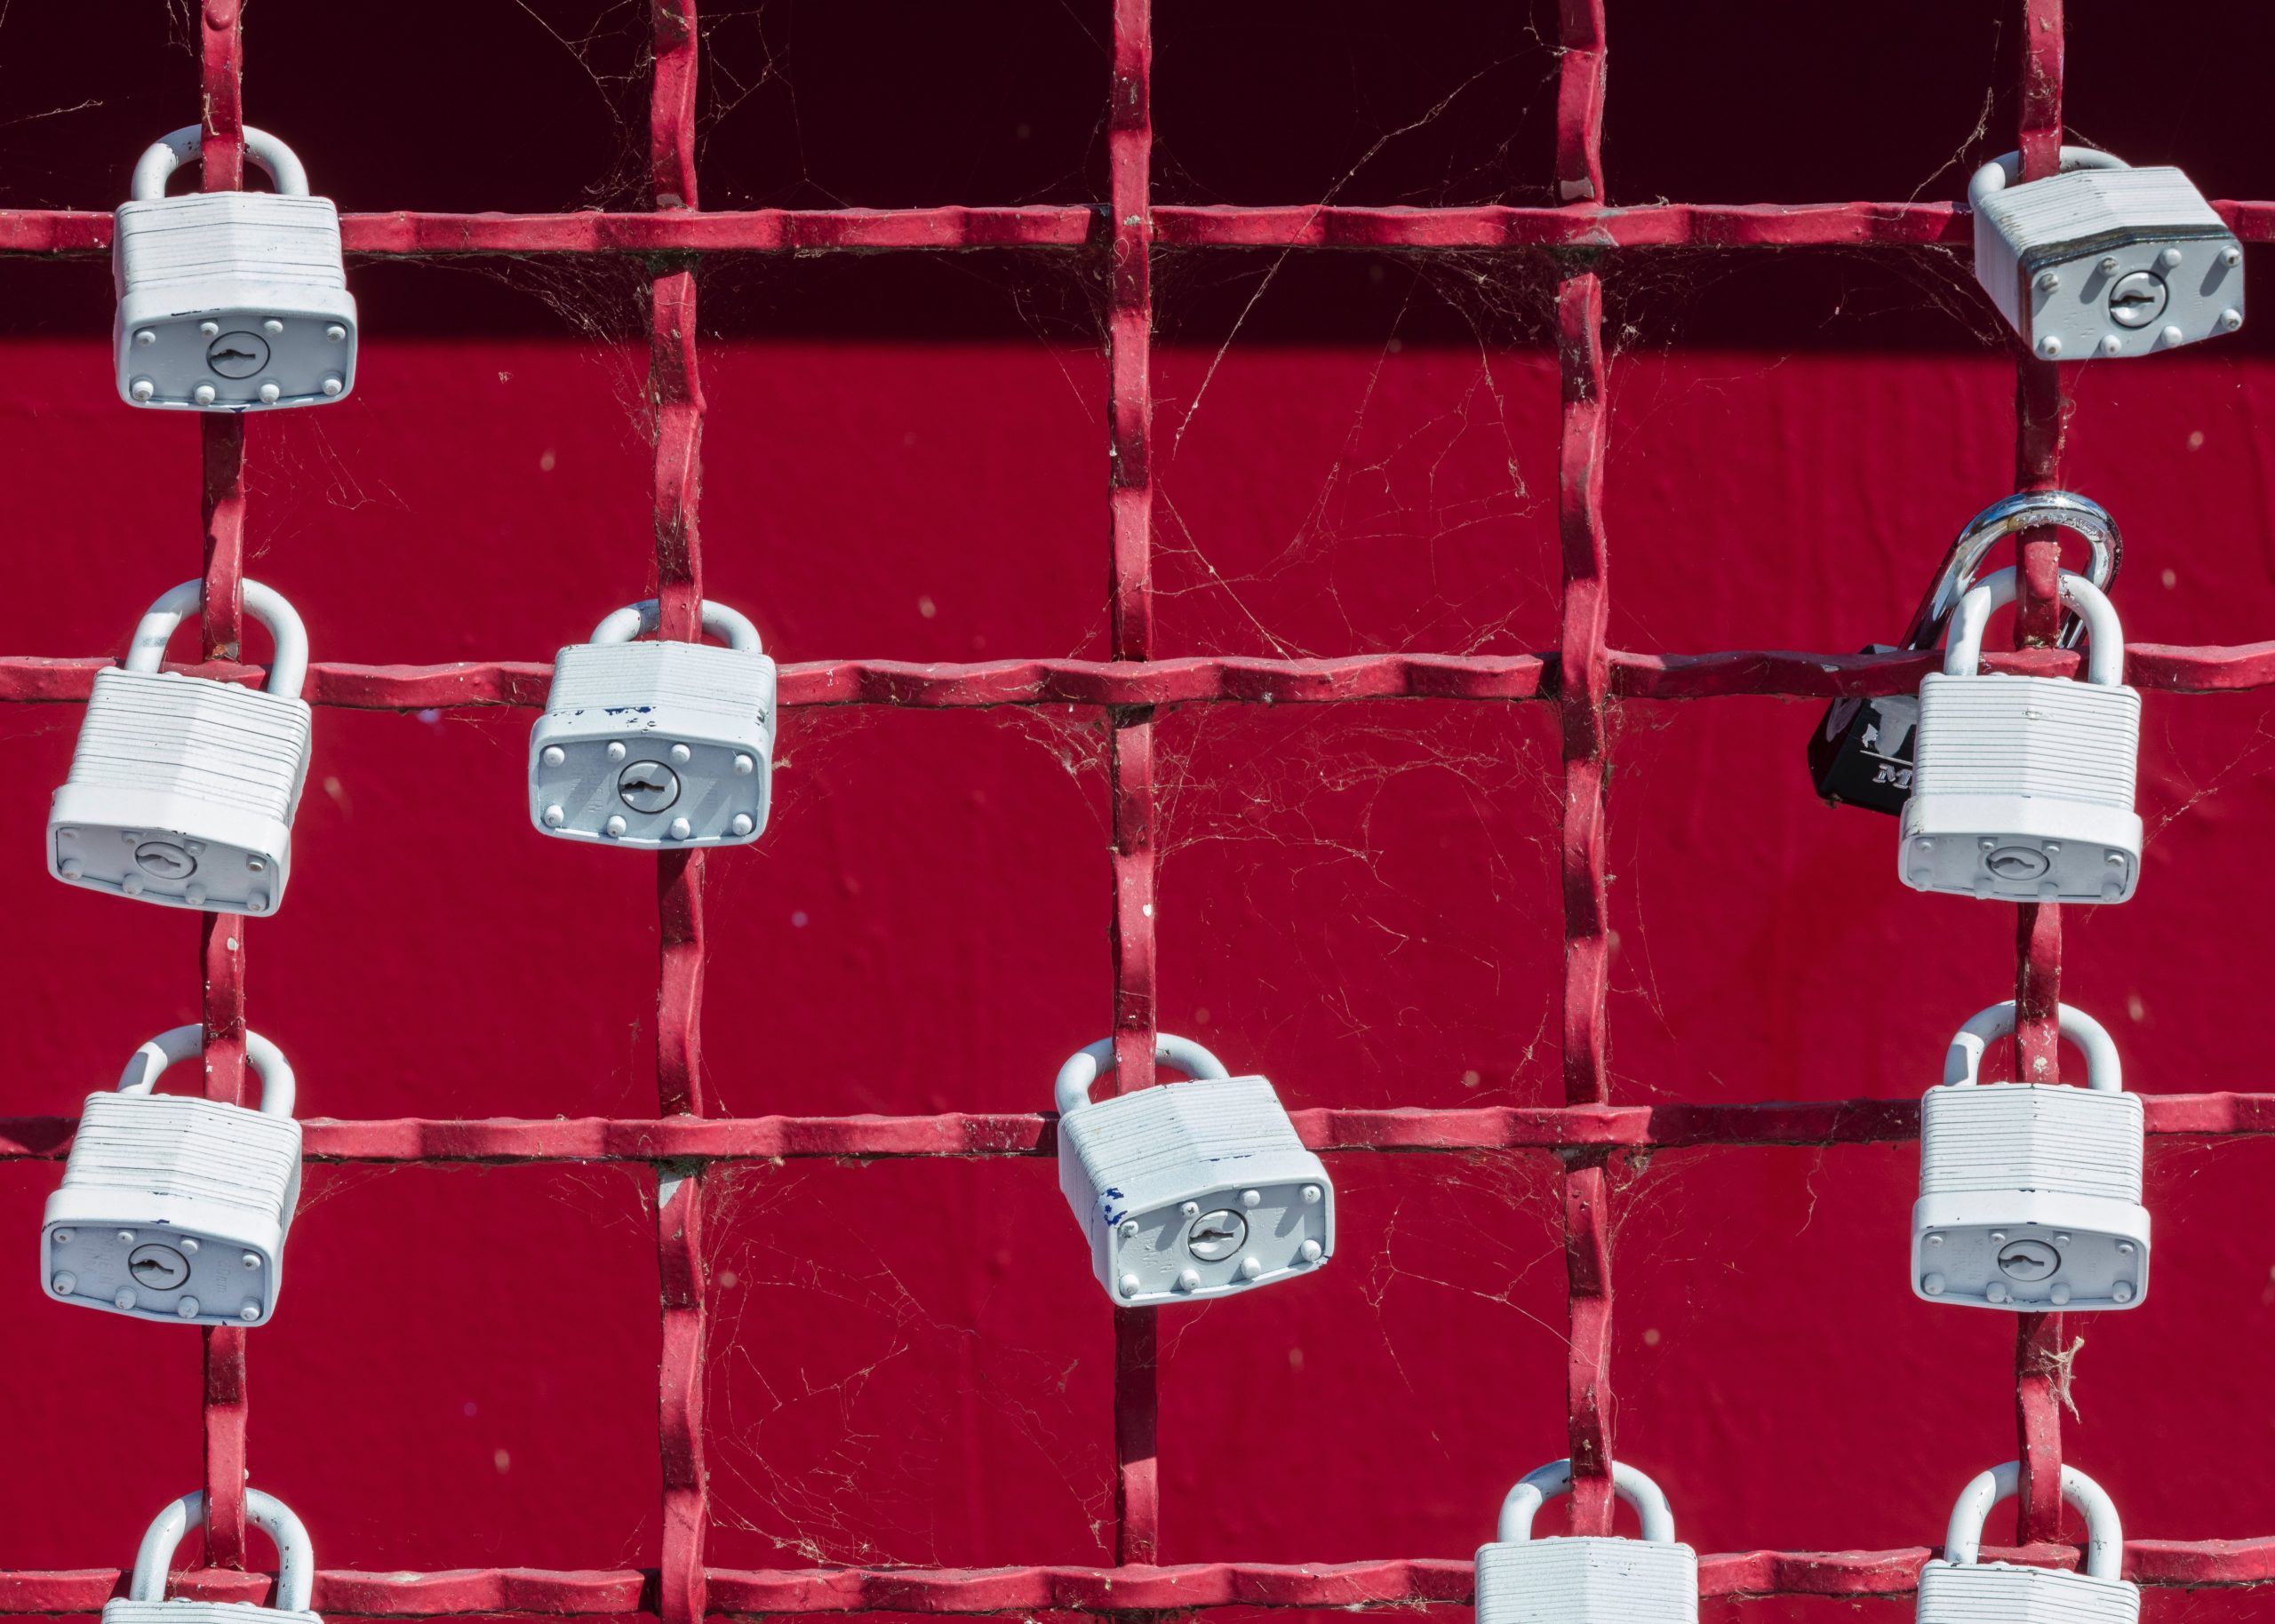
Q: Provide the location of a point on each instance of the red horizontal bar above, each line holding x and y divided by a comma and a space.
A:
1083, 1589
1327, 1128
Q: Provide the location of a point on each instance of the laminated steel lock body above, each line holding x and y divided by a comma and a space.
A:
1587, 1580
2022, 786
2103, 259
230, 301
1956, 1588
1861, 754
656, 744
1187, 1190
2030, 1193
145, 1600
173, 1206
183, 789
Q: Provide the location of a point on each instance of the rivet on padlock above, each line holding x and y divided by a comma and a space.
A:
173, 1206
2022, 786
656, 746
1188, 1191
230, 301
1861, 754
145, 1600
1957, 1589
183, 789
2103, 259
2030, 1193
1587, 1580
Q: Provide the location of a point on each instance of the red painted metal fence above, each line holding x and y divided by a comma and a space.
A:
1584, 678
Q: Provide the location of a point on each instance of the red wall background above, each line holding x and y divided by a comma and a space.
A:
905, 458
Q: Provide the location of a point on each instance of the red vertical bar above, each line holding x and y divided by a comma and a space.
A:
1129, 329
676, 389
1580, 104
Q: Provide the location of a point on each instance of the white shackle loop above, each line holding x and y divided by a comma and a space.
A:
169, 153
2104, 1535
288, 667
295, 1562
637, 619
1963, 1062
278, 1086
2004, 171
1083, 1069
1536, 1489
2104, 638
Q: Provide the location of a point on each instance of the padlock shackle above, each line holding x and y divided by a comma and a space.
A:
169, 153
1963, 1062
1085, 1068
2026, 510
637, 619
288, 667
279, 1090
296, 1561
2104, 1534
2006, 169
1538, 1488
2104, 641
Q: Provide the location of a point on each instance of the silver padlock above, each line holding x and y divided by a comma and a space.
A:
2021, 787
1587, 1580
656, 744
183, 789
2030, 1193
145, 1600
1189, 1191
1956, 1588
174, 1206
230, 301
2103, 259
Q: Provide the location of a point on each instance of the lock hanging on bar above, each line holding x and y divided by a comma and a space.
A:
183, 789
2103, 258
1861, 754
1587, 1580
174, 1206
145, 1600
657, 744
230, 301
1956, 1588
1189, 1191
2022, 786
2030, 1193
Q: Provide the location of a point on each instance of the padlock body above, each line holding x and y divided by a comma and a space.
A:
1861, 754
236, 262
1196, 1190
2022, 791
652, 733
2030, 1198
1586, 1580
182, 793
173, 1200
121, 1611
2004, 1593
2072, 224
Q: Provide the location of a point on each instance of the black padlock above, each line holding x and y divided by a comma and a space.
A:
1860, 754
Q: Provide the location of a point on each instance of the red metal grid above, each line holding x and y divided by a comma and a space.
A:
1583, 677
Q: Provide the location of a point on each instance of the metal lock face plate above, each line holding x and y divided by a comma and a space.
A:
232, 301
1586, 1581
1861, 754
2003, 1593
121, 1611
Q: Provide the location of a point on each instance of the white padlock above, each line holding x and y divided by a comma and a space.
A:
174, 1206
145, 1600
1189, 1191
1584, 1579
1956, 1588
2021, 787
2103, 259
656, 744
183, 789
230, 301
2030, 1193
